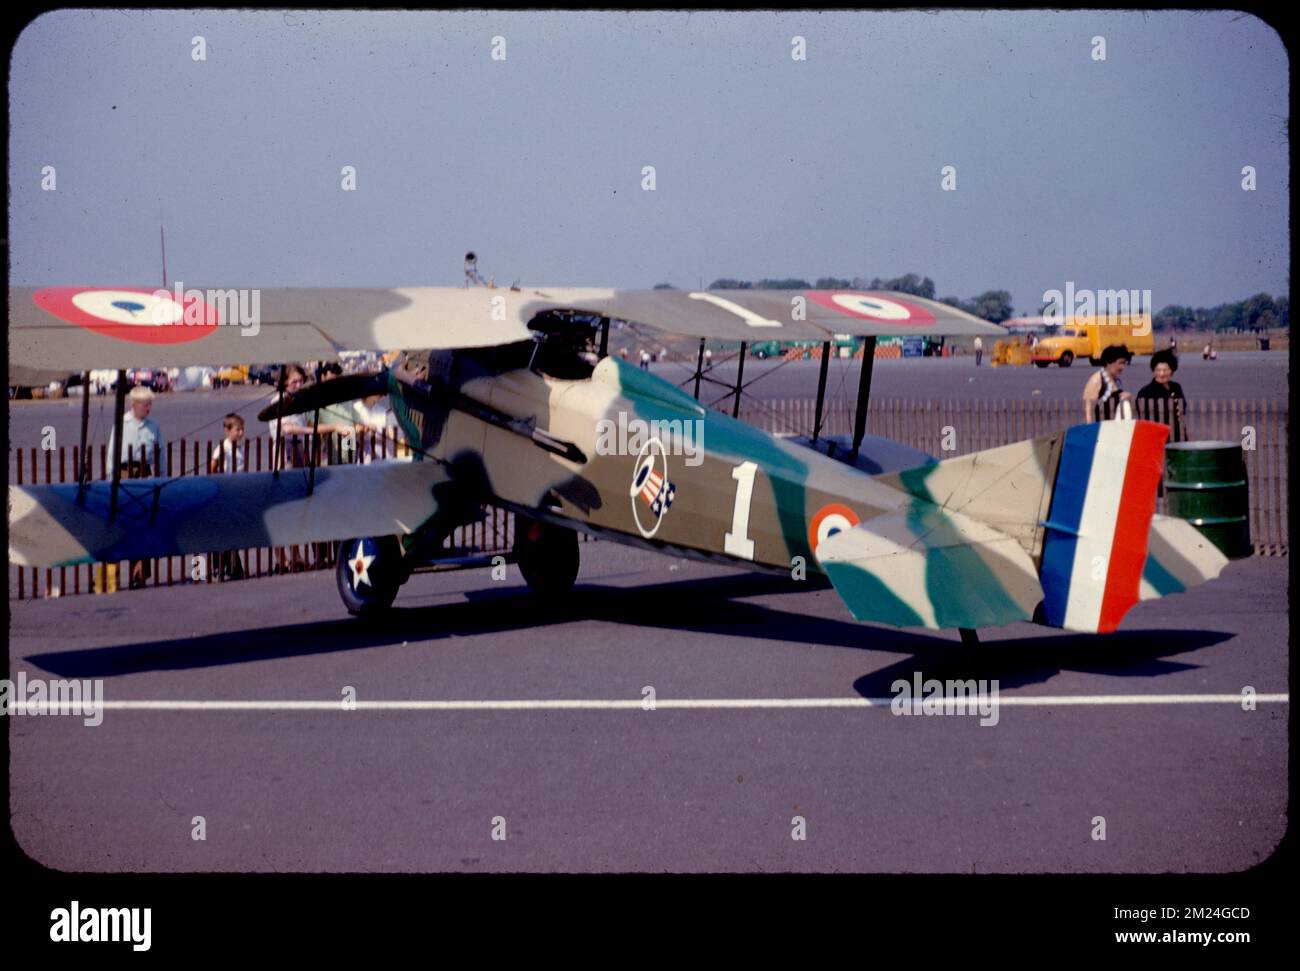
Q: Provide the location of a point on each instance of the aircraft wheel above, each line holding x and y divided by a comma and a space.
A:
547, 556
1042, 363
1066, 359
369, 572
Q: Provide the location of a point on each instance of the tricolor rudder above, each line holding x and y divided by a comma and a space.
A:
1095, 545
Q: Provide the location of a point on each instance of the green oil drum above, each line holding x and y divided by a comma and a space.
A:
1206, 484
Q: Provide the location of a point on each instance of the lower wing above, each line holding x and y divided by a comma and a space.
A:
48, 526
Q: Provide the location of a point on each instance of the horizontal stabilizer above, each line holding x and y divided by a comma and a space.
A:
1179, 558
930, 567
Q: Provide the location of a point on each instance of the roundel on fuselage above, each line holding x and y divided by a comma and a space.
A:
829, 520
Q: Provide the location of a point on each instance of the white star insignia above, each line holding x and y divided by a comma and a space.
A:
360, 564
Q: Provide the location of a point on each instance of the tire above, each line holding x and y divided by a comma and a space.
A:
547, 556
1095, 361
1042, 363
1067, 358
384, 574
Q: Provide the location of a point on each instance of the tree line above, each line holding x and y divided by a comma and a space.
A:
1260, 312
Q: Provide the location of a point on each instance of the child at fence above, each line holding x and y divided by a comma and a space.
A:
228, 454
1162, 400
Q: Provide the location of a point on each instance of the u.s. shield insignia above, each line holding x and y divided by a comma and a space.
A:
651, 491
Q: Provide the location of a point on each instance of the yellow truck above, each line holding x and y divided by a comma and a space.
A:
232, 374
1089, 336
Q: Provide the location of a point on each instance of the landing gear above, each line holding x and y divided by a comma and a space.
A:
969, 637
547, 556
369, 571
1067, 358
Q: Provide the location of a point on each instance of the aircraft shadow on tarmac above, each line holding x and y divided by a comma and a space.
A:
706, 605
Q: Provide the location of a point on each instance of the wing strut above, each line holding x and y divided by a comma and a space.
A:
699, 369
119, 414
279, 428
864, 395
740, 377
83, 470
821, 389
315, 441
604, 338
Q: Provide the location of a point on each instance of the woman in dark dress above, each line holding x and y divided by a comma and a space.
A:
1163, 399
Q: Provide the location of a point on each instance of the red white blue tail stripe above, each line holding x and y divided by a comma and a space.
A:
1096, 533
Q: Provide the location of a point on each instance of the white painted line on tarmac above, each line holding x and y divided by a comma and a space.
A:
621, 704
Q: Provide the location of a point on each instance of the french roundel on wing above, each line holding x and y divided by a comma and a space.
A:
874, 307
829, 520
132, 313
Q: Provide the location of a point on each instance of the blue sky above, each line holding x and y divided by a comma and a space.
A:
1116, 174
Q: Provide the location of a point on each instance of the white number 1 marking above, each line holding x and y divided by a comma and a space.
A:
744, 313
737, 542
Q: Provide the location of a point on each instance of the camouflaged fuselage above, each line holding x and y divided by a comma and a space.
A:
660, 468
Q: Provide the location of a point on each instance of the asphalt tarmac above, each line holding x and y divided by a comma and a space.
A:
231, 709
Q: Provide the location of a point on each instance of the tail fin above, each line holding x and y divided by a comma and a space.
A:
1096, 543
1056, 528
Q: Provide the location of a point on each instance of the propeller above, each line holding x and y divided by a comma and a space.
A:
347, 387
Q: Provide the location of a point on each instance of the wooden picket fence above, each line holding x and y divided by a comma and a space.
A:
941, 428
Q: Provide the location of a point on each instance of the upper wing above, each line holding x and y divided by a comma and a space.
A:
78, 328
746, 315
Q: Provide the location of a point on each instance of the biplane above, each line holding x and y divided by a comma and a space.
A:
508, 397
